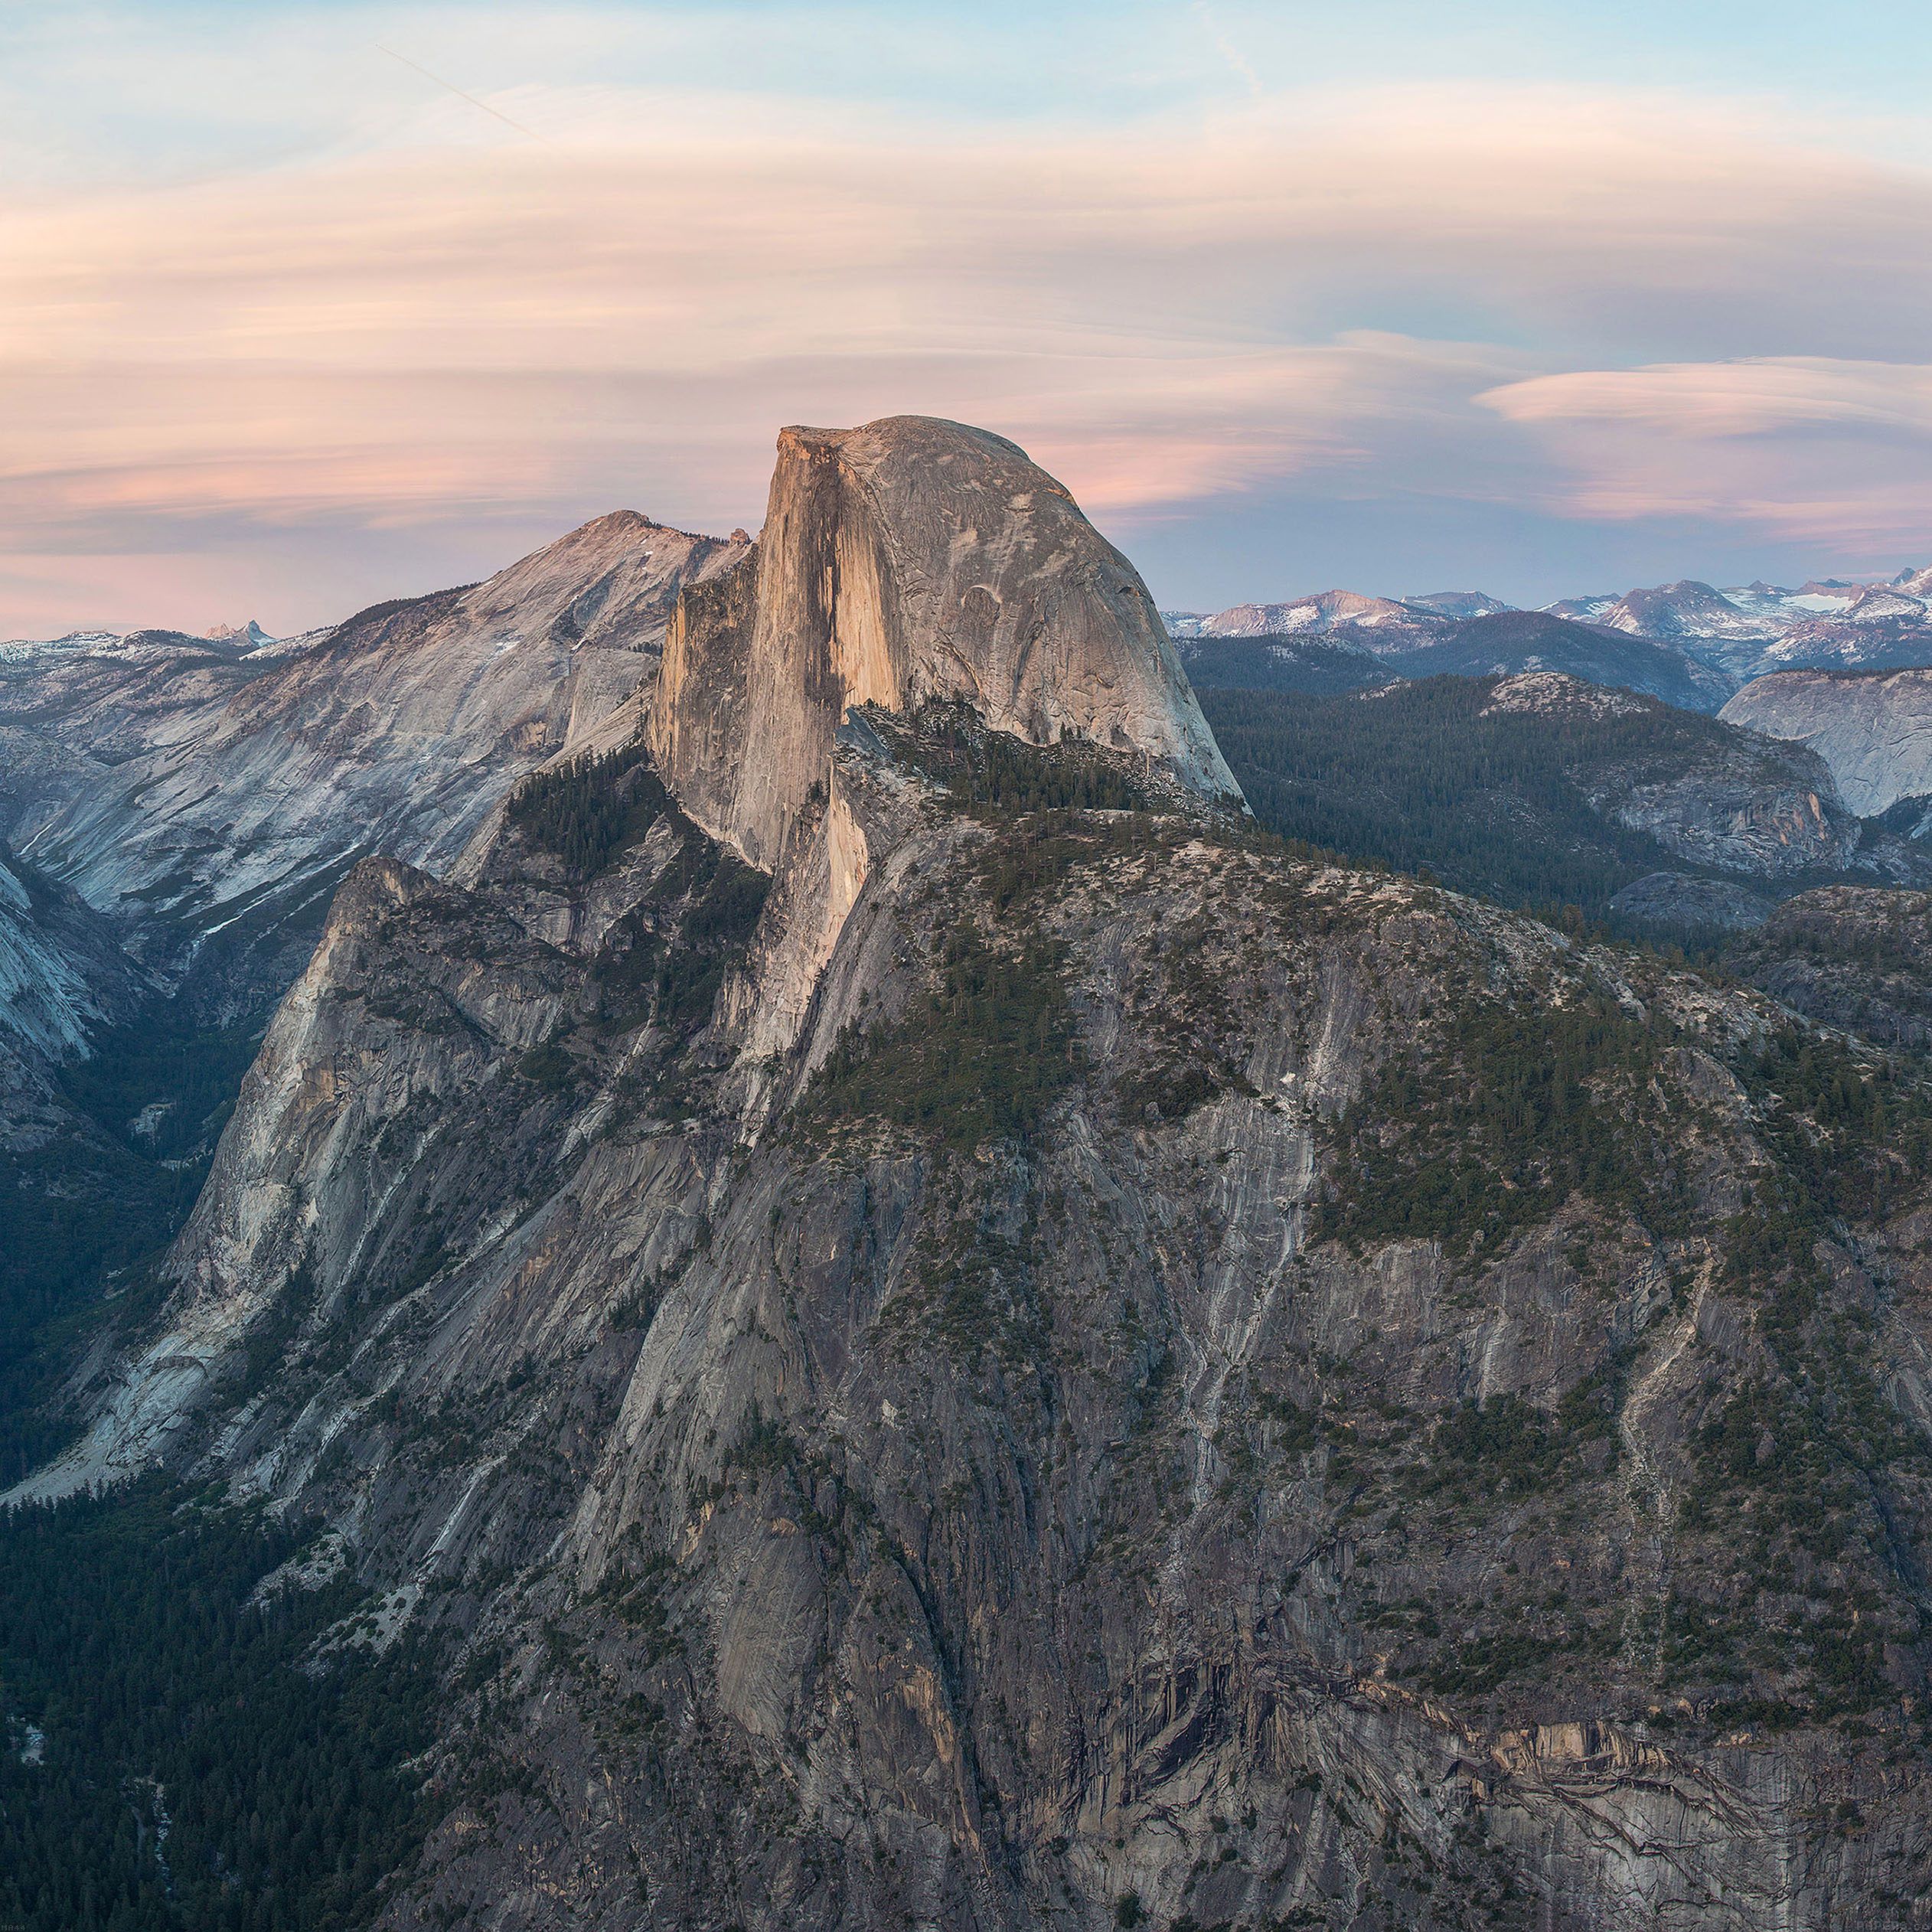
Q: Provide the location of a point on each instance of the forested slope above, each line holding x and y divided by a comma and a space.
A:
1540, 792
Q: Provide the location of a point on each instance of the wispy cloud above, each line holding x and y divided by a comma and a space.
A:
1831, 451
1234, 56
1759, 395
1513, 298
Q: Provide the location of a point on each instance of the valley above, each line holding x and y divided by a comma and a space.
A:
846, 1251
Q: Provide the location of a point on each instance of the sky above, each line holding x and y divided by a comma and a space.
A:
305, 306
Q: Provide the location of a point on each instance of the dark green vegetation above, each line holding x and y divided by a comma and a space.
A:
1854, 1133
190, 1773
983, 1052
1786, 1584
587, 812
981, 1058
671, 971
1511, 1108
416, 613
1848, 957
1418, 779
1496, 1117
663, 962
73, 1214
1507, 1445
998, 775
188, 1074
658, 963
83, 1215
991, 1045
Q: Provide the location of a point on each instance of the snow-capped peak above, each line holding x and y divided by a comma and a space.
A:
1686, 608
1459, 603
245, 636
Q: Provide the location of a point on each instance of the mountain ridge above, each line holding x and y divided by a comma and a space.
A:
1733, 634
210, 785
1043, 1354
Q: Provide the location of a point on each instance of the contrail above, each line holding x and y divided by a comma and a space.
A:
1229, 52
460, 94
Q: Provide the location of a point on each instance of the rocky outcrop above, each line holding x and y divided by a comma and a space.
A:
1858, 958
1687, 902
196, 789
1873, 730
1052, 1359
907, 562
1559, 698
1746, 806
1726, 798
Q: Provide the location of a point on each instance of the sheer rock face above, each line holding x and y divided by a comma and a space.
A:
1874, 731
908, 561
183, 789
61, 973
838, 1512
849, 1530
60, 970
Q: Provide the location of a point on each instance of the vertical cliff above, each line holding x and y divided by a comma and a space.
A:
1042, 1360
908, 562
1872, 728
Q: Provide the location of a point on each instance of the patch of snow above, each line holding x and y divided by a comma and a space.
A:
15, 650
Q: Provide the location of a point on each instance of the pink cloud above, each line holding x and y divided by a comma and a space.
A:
1809, 446
1754, 397
445, 336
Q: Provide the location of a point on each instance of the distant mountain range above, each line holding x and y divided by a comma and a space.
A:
763, 1263
1695, 645
1689, 643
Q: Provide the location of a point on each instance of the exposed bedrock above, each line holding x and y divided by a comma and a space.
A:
1873, 730
1041, 1360
905, 561
186, 794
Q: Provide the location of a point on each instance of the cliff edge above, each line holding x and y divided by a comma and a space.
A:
1873, 729
910, 561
